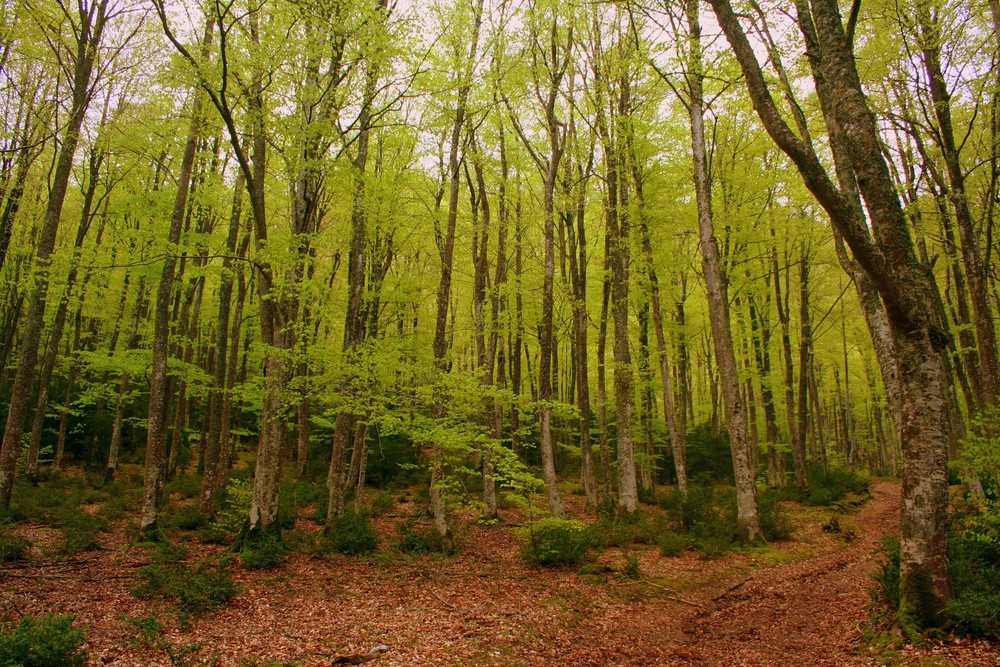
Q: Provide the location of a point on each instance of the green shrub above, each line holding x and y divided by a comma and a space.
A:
147, 629
187, 517
382, 503
351, 533
414, 540
829, 487
975, 608
977, 613
235, 506
13, 547
184, 486
553, 542
886, 577
671, 544
263, 553
708, 456
775, 523
80, 530
42, 641
193, 588
631, 568
711, 547
622, 530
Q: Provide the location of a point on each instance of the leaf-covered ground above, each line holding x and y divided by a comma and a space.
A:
803, 601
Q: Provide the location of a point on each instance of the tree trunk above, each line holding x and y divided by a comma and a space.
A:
435, 454
748, 523
901, 280
213, 445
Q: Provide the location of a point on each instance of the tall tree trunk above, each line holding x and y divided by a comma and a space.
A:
805, 356
213, 445
900, 278
989, 362
748, 522
434, 454
156, 436
55, 334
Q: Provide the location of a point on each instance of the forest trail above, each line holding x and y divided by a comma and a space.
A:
805, 612
801, 601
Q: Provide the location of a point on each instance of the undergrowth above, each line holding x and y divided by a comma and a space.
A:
552, 542
49, 640
974, 556
192, 587
351, 533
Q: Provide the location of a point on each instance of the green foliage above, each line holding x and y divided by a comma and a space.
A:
707, 517
413, 540
42, 641
622, 529
553, 542
265, 552
351, 533
80, 530
631, 568
235, 505
886, 577
671, 543
775, 524
708, 456
981, 449
830, 487
382, 503
146, 628
193, 588
974, 554
186, 517
183, 486
13, 547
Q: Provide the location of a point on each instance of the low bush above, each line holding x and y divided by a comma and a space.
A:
553, 542
263, 553
183, 486
194, 588
707, 518
147, 630
42, 641
80, 530
622, 530
351, 533
671, 543
775, 524
13, 547
412, 539
382, 503
186, 517
831, 486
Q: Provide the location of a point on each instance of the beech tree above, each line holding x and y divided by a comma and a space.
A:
889, 259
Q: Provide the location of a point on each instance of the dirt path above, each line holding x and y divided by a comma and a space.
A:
805, 612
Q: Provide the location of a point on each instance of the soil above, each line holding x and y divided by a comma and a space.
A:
803, 601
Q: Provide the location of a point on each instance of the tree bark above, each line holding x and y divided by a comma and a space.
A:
748, 522
901, 280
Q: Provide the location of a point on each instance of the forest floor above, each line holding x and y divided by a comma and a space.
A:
802, 601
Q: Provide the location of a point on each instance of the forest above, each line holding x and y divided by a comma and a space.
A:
635, 295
